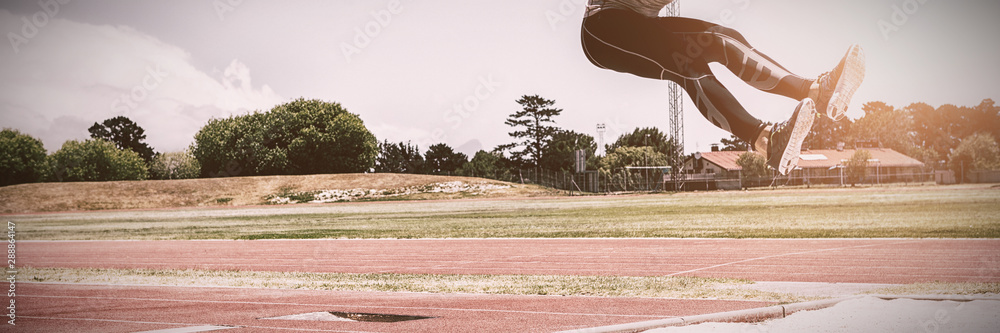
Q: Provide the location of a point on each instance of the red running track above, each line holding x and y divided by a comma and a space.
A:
794, 260
94, 308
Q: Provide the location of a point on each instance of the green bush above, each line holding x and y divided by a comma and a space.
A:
300, 137
95, 160
22, 158
976, 152
400, 157
441, 159
487, 165
857, 166
754, 166
627, 156
175, 165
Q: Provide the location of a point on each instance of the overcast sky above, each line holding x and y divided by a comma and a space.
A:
172, 65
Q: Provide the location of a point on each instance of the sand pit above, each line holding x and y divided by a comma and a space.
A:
872, 314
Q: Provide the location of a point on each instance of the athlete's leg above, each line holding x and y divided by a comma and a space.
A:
628, 42
712, 97
727, 46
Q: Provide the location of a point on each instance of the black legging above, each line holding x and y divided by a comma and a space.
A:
679, 49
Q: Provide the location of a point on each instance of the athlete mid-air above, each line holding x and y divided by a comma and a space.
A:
629, 36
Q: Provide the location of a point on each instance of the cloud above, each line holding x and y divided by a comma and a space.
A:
73, 74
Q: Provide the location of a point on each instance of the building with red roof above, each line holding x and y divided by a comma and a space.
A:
815, 166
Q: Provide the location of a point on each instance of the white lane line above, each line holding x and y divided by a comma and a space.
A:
108, 320
788, 254
175, 324
191, 329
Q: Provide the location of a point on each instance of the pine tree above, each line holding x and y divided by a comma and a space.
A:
535, 119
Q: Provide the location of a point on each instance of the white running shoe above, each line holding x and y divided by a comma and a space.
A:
785, 142
837, 87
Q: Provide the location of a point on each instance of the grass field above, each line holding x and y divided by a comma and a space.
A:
553, 285
906, 212
599, 286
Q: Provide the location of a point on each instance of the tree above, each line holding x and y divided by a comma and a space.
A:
560, 152
486, 165
247, 145
658, 141
986, 118
399, 158
323, 137
734, 144
632, 156
626, 156
940, 129
442, 159
125, 134
976, 152
754, 166
296, 138
22, 158
646, 137
890, 127
857, 166
827, 134
96, 160
175, 165
533, 129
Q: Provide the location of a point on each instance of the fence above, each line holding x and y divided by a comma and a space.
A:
623, 180
649, 180
980, 176
985, 176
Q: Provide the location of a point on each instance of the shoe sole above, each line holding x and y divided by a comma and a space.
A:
851, 78
800, 130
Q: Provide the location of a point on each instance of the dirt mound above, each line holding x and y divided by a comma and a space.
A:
153, 194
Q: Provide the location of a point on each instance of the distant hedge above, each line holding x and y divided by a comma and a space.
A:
22, 158
297, 138
95, 160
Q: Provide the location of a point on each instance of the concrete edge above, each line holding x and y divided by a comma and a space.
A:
758, 314
771, 312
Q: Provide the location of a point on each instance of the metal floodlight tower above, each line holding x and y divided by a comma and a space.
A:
676, 97
676, 110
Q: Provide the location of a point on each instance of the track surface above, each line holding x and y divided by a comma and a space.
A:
838, 260
88, 308
96, 308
